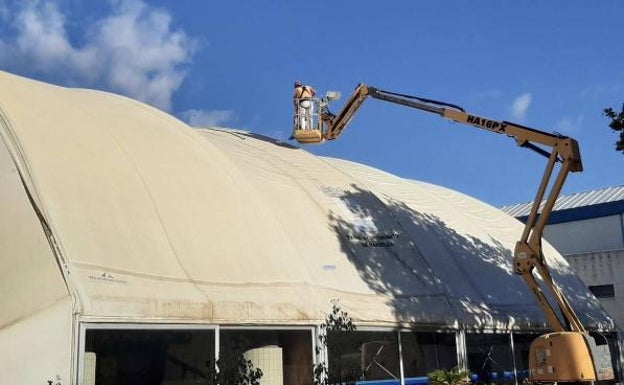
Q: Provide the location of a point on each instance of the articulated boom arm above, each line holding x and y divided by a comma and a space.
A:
528, 254
336, 125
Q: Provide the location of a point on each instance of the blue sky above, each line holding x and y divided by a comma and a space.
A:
548, 65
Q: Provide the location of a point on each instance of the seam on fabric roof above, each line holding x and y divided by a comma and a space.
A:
440, 199
448, 294
387, 210
391, 213
291, 166
444, 245
180, 126
412, 245
20, 160
49, 305
465, 274
303, 171
156, 210
239, 134
248, 284
127, 100
204, 140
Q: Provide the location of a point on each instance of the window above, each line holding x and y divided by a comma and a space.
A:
284, 356
146, 357
362, 356
490, 358
522, 345
603, 291
426, 352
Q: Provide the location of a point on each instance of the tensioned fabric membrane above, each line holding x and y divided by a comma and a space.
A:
112, 210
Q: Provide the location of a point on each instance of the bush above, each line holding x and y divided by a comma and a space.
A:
448, 377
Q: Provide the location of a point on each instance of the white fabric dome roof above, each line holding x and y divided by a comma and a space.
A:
137, 217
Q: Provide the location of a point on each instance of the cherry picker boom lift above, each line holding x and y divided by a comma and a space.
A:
569, 353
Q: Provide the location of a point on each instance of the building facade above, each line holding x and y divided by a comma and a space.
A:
588, 230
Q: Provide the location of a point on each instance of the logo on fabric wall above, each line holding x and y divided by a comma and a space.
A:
374, 240
107, 277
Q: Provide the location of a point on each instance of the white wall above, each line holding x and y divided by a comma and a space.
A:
35, 306
37, 349
595, 249
587, 235
603, 268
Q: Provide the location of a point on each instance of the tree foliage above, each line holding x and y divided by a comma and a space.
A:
448, 377
232, 368
617, 125
336, 321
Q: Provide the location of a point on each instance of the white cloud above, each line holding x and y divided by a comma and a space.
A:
199, 118
520, 106
569, 126
133, 50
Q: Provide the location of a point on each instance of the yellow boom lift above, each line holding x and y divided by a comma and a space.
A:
569, 353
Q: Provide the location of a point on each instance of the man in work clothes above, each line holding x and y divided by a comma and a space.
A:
304, 106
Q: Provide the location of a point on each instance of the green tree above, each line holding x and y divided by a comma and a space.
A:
232, 368
336, 321
617, 125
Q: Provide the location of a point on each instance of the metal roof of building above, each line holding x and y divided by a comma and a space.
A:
572, 201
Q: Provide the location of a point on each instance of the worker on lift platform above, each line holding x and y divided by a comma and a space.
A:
303, 100
311, 113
